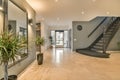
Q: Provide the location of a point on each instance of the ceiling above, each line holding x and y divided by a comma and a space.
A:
63, 12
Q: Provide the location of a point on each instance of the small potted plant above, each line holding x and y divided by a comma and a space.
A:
9, 47
39, 41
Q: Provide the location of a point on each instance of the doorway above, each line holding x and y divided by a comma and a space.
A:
59, 38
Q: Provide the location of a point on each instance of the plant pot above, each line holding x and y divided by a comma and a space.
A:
11, 77
40, 58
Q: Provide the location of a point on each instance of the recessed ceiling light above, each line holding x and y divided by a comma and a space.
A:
56, 0
107, 12
93, 0
82, 12
58, 18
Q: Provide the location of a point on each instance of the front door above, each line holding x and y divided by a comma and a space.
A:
59, 35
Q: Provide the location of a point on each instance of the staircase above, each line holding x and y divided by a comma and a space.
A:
99, 46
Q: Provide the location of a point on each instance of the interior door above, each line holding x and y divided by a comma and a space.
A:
59, 35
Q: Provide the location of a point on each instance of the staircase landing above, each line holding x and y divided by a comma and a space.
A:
93, 53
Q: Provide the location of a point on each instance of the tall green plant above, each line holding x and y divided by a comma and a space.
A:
9, 46
39, 41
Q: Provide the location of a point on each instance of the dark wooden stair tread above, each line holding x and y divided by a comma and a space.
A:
93, 53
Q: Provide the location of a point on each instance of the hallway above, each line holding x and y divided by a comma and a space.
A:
62, 64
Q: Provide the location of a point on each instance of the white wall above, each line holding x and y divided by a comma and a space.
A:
45, 35
53, 28
1, 22
16, 69
56, 27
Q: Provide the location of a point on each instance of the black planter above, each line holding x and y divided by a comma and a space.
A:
11, 77
40, 58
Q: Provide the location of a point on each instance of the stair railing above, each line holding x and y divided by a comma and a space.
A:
97, 26
112, 19
114, 31
104, 30
111, 23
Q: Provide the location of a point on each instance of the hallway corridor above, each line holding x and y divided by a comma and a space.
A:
62, 64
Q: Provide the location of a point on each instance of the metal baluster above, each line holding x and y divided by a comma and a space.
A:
104, 29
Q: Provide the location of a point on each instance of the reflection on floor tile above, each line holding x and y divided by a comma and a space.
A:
57, 54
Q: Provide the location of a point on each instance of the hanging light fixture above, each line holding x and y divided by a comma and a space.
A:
1, 4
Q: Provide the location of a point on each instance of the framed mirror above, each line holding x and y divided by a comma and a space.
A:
17, 23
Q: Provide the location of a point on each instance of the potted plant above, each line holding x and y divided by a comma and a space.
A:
39, 41
9, 46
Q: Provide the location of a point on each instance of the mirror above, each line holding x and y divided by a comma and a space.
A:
17, 23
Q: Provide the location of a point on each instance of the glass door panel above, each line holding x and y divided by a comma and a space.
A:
59, 38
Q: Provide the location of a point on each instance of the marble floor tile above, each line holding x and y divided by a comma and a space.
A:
63, 64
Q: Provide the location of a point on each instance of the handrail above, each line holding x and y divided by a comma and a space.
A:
115, 30
112, 20
97, 27
111, 23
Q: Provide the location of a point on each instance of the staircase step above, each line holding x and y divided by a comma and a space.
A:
109, 33
97, 48
93, 53
115, 24
113, 27
105, 38
110, 30
99, 44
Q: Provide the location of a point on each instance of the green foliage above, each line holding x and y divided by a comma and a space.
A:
39, 41
9, 46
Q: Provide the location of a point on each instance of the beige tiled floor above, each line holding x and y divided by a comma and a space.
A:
62, 64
